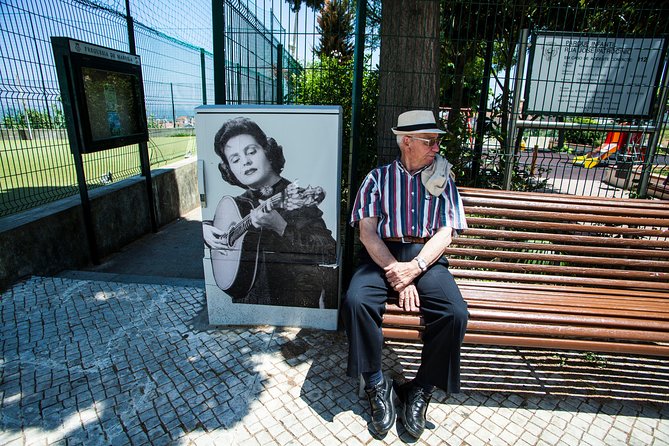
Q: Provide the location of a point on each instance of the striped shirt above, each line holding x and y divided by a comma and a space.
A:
403, 206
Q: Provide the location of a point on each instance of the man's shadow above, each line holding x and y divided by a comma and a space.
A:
496, 377
327, 389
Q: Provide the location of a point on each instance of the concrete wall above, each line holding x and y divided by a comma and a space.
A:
52, 238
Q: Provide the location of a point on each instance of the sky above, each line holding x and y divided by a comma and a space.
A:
26, 57
195, 27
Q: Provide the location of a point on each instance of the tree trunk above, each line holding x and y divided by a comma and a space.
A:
409, 66
463, 54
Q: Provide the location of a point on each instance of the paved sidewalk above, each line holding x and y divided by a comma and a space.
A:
91, 361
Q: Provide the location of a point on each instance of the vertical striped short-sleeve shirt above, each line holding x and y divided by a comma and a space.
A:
403, 205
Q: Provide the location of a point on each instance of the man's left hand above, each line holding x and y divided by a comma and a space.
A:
409, 299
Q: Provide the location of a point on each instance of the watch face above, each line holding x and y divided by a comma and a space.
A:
421, 264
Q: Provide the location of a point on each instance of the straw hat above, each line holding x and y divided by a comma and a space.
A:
416, 121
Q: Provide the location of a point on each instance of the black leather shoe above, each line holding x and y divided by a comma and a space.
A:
383, 407
415, 400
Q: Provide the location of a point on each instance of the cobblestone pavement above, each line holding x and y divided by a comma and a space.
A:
110, 363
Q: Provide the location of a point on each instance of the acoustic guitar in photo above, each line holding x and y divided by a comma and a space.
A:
243, 250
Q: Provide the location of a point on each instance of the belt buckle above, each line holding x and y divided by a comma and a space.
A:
405, 241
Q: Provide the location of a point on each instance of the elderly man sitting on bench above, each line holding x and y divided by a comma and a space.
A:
407, 212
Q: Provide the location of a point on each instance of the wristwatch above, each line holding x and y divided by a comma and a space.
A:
421, 263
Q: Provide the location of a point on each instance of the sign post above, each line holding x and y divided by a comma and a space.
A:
103, 104
593, 75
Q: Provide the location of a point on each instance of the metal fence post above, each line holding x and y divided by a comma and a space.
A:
655, 138
354, 143
218, 24
144, 158
238, 67
204, 76
279, 74
174, 114
517, 91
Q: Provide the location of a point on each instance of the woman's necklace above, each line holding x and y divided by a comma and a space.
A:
266, 191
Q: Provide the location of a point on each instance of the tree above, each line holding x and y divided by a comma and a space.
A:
335, 25
295, 5
328, 82
34, 119
408, 65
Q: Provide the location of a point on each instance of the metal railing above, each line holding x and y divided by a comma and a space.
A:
36, 166
273, 56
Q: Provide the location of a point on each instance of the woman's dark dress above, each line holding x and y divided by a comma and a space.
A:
289, 271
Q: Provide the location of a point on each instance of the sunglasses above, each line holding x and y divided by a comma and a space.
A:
428, 142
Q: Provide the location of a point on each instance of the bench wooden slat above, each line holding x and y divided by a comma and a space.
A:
586, 292
569, 206
556, 306
555, 279
536, 329
575, 249
561, 258
539, 342
569, 238
561, 303
569, 330
566, 227
568, 216
566, 344
479, 305
566, 270
535, 199
534, 318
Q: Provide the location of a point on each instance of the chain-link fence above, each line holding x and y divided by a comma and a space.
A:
459, 58
471, 61
36, 165
174, 41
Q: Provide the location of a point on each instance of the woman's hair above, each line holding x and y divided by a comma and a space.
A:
244, 126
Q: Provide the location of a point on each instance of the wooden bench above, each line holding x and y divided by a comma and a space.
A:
559, 272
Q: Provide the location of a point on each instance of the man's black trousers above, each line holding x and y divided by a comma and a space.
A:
441, 304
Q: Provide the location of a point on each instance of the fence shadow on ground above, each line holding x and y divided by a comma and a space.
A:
557, 373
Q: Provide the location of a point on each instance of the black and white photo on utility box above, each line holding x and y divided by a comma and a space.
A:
269, 226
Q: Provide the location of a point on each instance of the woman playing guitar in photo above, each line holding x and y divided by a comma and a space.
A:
268, 243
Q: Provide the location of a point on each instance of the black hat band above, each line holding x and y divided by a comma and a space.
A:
410, 128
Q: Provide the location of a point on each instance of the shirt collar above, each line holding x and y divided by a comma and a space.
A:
400, 166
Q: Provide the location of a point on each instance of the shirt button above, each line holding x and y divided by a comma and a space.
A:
413, 227
411, 193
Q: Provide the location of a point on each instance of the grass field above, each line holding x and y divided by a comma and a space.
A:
38, 171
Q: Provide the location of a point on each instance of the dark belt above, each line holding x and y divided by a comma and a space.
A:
406, 239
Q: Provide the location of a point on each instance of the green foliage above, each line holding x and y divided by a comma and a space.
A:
295, 5
335, 26
467, 26
34, 119
560, 359
373, 25
327, 81
588, 137
595, 358
152, 122
491, 176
